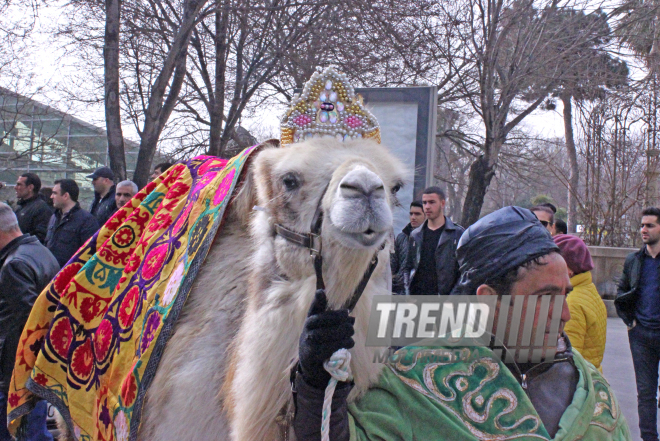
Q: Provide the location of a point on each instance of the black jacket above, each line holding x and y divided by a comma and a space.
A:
66, 234
26, 267
446, 264
104, 208
627, 295
398, 260
33, 216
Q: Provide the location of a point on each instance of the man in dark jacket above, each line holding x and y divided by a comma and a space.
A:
398, 260
26, 267
104, 205
33, 212
70, 226
638, 304
431, 266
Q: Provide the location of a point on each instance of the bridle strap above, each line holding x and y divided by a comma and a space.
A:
312, 241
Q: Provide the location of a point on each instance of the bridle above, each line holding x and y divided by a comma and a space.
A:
312, 241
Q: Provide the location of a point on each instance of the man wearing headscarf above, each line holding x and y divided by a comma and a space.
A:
505, 253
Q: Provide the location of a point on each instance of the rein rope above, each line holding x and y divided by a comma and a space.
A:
339, 364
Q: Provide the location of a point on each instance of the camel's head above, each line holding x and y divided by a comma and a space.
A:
360, 179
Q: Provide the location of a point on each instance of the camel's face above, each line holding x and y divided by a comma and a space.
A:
361, 177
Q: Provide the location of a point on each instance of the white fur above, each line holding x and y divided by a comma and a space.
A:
264, 285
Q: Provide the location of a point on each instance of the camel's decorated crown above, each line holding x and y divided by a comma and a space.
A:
328, 107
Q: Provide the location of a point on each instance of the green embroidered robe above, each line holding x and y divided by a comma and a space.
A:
466, 394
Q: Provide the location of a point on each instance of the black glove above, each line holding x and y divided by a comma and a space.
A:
324, 333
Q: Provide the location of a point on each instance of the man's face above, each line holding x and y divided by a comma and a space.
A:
434, 207
59, 200
416, 217
23, 191
550, 278
157, 172
101, 185
546, 220
650, 230
123, 194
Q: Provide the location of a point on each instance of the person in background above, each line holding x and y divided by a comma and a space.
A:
561, 227
546, 216
124, 192
45, 193
70, 226
431, 267
638, 304
587, 328
160, 169
398, 260
33, 212
26, 267
104, 205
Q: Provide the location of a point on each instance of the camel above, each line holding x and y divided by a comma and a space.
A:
224, 373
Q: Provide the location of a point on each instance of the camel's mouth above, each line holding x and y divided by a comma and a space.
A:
367, 239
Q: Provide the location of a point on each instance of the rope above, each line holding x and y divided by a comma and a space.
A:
339, 368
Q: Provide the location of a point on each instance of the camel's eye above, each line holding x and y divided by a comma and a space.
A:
396, 188
290, 181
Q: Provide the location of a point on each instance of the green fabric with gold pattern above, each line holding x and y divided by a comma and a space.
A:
467, 394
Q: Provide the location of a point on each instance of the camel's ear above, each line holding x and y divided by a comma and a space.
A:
246, 198
262, 168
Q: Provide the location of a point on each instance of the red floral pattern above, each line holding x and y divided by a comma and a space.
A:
126, 313
124, 236
102, 339
64, 277
91, 307
154, 262
61, 336
128, 390
41, 379
82, 360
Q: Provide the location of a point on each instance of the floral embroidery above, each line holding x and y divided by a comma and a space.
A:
128, 390
198, 234
173, 285
224, 187
121, 426
126, 314
82, 360
150, 328
102, 339
104, 417
40, 379
123, 237
13, 399
61, 336
90, 308
64, 277
154, 261
183, 218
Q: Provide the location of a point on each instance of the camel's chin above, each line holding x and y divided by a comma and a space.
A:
373, 239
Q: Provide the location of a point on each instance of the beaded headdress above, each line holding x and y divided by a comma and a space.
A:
328, 107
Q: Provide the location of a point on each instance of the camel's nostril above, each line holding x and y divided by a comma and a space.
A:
369, 231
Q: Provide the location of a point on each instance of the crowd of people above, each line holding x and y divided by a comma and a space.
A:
512, 251
36, 240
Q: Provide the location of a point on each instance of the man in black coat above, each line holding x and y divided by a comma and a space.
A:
104, 205
398, 260
431, 266
638, 304
26, 267
33, 212
70, 226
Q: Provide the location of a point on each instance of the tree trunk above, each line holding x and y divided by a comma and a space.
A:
112, 109
218, 103
158, 112
574, 178
481, 173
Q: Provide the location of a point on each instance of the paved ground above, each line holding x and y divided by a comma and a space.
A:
618, 369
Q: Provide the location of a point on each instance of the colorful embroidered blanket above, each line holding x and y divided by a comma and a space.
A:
96, 334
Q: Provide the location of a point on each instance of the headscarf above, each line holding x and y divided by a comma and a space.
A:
575, 253
497, 244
